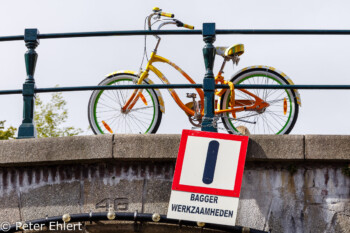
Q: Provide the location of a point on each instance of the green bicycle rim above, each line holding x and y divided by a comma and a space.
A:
290, 102
98, 97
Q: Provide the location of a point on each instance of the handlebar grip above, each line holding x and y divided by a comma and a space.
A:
167, 15
188, 26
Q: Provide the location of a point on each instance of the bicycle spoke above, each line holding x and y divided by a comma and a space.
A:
274, 116
143, 123
109, 97
273, 101
267, 122
136, 109
108, 106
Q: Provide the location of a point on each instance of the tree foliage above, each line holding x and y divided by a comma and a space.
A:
6, 133
49, 118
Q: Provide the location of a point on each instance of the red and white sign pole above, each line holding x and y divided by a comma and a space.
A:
208, 176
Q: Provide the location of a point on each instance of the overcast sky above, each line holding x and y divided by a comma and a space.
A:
73, 62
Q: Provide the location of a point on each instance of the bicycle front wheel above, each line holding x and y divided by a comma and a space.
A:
105, 109
278, 118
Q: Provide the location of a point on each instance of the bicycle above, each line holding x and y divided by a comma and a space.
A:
261, 111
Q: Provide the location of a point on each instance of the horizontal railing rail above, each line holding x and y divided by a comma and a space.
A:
32, 37
177, 86
181, 32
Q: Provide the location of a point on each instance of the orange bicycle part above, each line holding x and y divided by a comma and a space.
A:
256, 105
107, 127
143, 98
285, 106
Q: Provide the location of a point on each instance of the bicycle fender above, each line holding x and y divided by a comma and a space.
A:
289, 80
149, 81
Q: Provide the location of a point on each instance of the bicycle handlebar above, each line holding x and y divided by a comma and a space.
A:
169, 15
158, 12
181, 24
188, 26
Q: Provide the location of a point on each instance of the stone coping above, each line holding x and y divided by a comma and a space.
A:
165, 147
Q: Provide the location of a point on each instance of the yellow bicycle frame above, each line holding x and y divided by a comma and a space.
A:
155, 58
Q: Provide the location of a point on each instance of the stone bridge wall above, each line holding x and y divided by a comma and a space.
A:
291, 183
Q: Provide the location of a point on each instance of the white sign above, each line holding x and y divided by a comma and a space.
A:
208, 177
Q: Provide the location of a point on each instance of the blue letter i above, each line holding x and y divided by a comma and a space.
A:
210, 163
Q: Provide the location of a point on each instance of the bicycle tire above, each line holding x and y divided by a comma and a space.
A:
275, 97
105, 105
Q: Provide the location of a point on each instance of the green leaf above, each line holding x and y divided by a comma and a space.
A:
50, 117
6, 133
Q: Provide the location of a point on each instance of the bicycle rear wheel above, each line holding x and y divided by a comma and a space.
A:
278, 118
104, 109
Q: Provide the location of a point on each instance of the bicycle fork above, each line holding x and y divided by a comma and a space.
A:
137, 93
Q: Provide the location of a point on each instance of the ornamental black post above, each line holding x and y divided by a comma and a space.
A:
27, 128
209, 81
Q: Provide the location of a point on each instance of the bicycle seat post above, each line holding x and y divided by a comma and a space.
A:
209, 81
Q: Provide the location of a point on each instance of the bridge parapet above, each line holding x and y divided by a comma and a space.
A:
292, 183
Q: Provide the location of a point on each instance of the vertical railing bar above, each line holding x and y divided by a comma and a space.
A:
27, 128
208, 123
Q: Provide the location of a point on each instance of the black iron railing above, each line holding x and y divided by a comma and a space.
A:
32, 36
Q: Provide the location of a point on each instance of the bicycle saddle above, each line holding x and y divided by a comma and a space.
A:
237, 49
